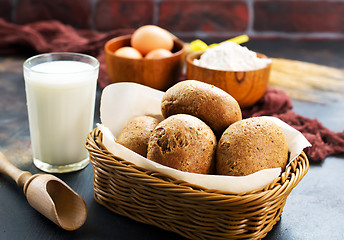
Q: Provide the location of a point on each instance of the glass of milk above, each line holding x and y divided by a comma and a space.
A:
60, 93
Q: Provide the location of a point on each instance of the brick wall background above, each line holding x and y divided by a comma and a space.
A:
190, 19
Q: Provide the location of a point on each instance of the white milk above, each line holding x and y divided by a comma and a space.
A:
60, 98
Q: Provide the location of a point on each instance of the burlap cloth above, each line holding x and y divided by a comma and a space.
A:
53, 36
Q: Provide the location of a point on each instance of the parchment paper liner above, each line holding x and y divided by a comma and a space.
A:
120, 102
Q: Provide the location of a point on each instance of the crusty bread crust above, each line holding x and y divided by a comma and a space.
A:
136, 133
183, 142
250, 145
212, 105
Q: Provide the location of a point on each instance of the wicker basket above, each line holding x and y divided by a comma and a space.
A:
191, 211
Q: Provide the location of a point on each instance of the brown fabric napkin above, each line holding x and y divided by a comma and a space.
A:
53, 36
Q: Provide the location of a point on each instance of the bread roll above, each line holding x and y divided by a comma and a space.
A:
136, 133
251, 145
212, 105
183, 142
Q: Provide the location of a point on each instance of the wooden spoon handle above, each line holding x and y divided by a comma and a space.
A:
16, 174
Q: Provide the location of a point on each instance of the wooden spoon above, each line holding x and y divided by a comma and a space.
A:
49, 195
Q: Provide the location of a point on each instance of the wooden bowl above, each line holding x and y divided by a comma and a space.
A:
156, 73
247, 87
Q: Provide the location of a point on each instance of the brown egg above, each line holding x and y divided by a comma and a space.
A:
158, 53
150, 37
128, 52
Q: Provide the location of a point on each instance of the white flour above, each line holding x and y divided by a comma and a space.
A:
229, 56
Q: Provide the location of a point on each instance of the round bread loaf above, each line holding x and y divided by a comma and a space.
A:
183, 142
251, 145
212, 105
136, 133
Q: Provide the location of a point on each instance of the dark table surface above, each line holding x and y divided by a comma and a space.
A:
314, 209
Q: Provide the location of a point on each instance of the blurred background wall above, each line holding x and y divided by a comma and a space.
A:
190, 19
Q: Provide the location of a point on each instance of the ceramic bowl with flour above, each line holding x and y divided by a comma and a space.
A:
242, 73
